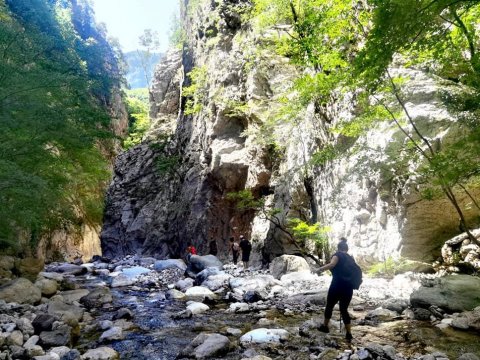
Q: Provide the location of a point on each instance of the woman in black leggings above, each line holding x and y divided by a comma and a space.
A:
340, 289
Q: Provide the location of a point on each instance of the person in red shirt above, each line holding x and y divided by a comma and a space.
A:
191, 250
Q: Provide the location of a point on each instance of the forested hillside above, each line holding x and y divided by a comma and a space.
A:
60, 108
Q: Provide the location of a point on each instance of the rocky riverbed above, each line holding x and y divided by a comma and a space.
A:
143, 308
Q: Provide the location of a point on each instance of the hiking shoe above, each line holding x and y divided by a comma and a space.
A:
324, 329
348, 336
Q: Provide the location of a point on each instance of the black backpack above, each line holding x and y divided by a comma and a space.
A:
352, 272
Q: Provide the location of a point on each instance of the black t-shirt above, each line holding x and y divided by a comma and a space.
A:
245, 246
340, 272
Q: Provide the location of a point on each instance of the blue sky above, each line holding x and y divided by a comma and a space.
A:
126, 19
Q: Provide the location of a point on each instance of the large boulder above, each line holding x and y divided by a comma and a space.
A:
207, 346
29, 268
261, 336
161, 265
242, 285
97, 298
47, 287
198, 263
453, 293
62, 336
199, 293
21, 291
286, 264
70, 314
70, 269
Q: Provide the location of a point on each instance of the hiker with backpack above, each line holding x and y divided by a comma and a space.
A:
246, 247
235, 249
347, 276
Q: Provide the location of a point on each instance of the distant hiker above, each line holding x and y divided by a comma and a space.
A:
235, 249
346, 277
246, 247
213, 247
190, 251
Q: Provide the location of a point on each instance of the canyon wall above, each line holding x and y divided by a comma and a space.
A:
173, 188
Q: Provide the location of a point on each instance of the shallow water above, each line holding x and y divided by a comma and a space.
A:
157, 336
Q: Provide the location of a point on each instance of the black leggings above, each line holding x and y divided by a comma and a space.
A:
339, 292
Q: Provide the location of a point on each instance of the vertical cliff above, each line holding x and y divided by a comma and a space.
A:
212, 134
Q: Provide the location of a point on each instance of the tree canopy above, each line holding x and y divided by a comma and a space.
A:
57, 72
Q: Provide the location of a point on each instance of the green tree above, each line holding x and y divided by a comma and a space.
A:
53, 120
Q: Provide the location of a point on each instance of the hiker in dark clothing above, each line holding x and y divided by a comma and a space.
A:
213, 247
235, 249
340, 289
246, 247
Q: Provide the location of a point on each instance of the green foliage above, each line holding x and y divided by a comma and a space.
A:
303, 233
57, 72
245, 200
196, 92
139, 122
166, 163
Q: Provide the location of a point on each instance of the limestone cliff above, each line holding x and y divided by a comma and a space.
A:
172, 189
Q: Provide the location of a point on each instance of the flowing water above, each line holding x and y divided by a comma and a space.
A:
156, 335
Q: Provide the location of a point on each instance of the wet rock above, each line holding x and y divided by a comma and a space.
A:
262, 335
207, 346
101, 353
97, 298
43, 322
421, 314
252, 296
216, 282
52, 276
453, 293
381, 315
239, 307
123, 313
58, 337
71, 296
122, 280
70, 314
47, 287
311, 298
21, 291
161, 265
397, 305
174, 294
197, 308
363, 354
68, 269
29, 268
71, 355
286, 264
376, 350
114, 333
199, 293
184, 284
205, 273
460, 323
61, 351
255, 282
135, 271
198, 263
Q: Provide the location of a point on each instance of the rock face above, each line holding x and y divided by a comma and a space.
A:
173, 188
452, 293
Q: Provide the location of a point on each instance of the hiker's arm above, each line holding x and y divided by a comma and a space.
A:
329, 266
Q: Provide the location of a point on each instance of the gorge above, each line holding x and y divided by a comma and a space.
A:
293, 123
